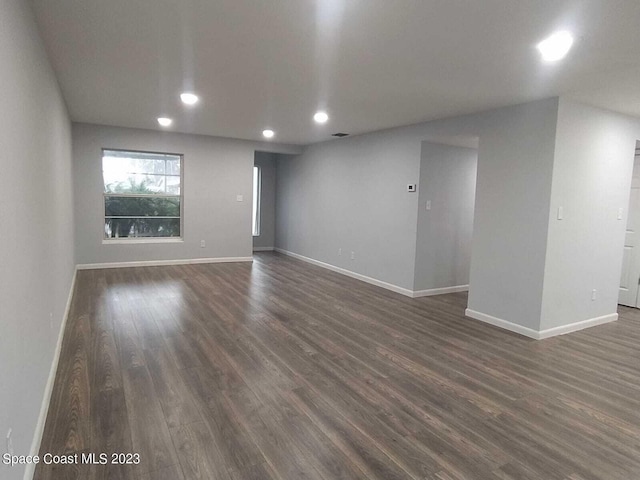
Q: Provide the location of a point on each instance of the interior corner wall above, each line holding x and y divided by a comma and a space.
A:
448, 183
592, 174
37, 257
215, 171
513, 191
351, 195
267, 163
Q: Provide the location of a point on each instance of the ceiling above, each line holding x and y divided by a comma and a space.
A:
371, 64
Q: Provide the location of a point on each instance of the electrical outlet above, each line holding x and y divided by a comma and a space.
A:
594, 294
50, 320
339, 252
202, 243
239, 198
10, 442
428, 205
353, 255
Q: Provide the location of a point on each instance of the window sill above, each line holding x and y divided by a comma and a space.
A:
127, 241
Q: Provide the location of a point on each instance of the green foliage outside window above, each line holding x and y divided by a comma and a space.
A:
148, 207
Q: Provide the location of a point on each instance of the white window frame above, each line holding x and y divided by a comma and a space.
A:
133, 240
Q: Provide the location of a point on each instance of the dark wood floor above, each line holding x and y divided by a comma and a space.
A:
288, 371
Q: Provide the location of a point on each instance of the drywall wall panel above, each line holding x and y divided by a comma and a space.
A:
513, 190
36, 217
446, 193
346, 203
592, 173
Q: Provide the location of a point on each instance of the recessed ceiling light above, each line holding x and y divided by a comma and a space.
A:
268, 133
556, 46
164, 121
321, 117
189, 98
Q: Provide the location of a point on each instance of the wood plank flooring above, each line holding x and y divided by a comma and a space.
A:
283, 370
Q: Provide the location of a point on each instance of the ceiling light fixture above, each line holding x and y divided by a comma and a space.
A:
189, 98
268, 133
164, 121
556, 46
321, 117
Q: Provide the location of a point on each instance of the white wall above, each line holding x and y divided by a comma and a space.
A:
216, 170
36, 214
592, 172
352, 194
443, 249
515, 162
267, 163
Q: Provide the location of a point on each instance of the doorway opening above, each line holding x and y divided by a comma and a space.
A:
630, 275
446, 199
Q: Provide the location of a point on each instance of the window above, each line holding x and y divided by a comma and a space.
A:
257, 187
142, 195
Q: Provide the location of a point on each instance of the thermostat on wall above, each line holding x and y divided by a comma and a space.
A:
412, 187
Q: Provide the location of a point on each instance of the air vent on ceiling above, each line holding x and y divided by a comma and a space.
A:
340, 135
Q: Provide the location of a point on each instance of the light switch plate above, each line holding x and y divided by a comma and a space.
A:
239, 198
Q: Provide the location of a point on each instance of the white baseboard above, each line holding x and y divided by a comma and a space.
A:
349, 273
156, 263
440, 291
498, 322
263, 249
574, 327
48, 389
375, 281
542, 334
